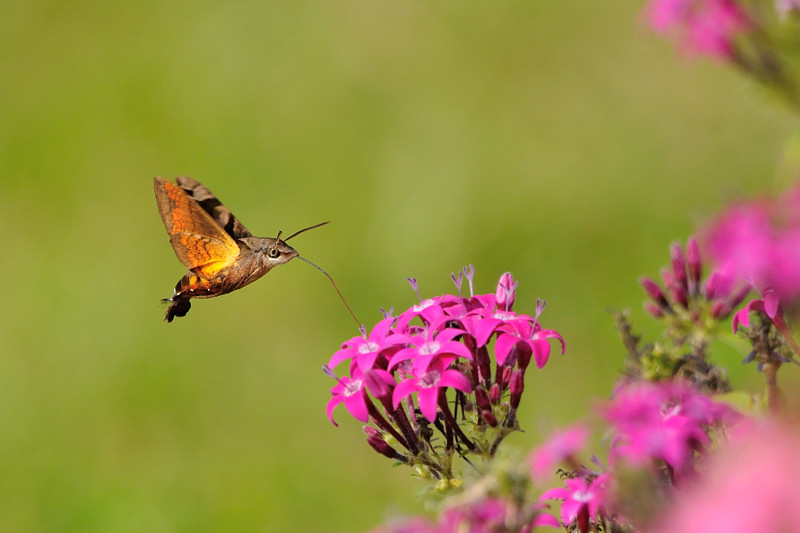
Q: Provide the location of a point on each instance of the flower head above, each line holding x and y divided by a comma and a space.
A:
583, 499
666, 421
759, 242
427, 385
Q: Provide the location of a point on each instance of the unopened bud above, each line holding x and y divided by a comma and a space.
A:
494, 394
375, 440
504, 295
489, 418
482, 398
378, 386
516, 387
679, 295
678, 264
653, 309
654, 292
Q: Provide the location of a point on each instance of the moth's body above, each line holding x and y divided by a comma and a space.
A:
220, 253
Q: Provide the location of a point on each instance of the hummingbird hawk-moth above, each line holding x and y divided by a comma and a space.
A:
220, 253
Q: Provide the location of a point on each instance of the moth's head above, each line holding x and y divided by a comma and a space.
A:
268, 251
276, 251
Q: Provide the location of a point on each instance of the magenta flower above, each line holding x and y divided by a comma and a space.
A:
365, 351
428, 384
562, 445
666, 421
750, 486
769, 306
583, 500
529, 338
430, 346
439, 344
351, 392
759, 242
703, 26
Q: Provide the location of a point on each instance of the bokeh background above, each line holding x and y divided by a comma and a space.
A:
557, 140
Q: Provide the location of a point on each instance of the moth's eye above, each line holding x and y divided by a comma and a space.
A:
274, 253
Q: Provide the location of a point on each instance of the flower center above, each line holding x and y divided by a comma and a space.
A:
353, 387
430, 379
368, 347
429, 348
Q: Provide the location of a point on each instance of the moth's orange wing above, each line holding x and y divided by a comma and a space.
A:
211, 205
199, 242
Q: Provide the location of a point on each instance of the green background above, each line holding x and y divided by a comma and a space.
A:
561, 141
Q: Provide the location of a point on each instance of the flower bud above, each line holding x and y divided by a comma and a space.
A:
375, 440
494, 394
516, 387
504, 295
489, 418
653, 309
678, 264
482, 398
654, 292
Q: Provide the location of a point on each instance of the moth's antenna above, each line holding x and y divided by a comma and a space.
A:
296, 233
352, 314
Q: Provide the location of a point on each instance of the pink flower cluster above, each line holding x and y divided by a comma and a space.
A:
660, 427
472, 352
759, 242
667, 422
704, 26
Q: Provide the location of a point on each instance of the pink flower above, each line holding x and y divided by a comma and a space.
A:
351, 392
561, 445
583, 500
769, 305
431, 346
666, 421
366, 351
750, 486
759, 242
529, 338
427, 385
704, 26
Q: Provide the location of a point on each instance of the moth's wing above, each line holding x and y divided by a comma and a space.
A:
199, 242
211, 205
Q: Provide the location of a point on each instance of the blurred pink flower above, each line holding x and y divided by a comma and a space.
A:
751, 486
560, 446
704, 26
666, 421
582, 500
759, 242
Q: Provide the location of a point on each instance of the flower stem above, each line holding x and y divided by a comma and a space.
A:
451, 421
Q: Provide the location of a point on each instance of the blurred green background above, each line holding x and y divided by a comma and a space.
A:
557, 140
